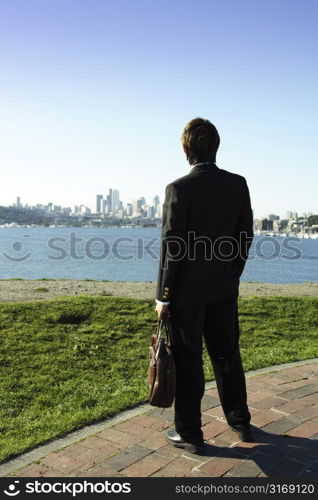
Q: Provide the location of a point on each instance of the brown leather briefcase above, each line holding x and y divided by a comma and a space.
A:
161, 371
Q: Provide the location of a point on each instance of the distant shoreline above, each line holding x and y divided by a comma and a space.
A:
18, 290
153, 225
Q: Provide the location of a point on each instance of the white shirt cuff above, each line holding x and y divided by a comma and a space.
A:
162, 303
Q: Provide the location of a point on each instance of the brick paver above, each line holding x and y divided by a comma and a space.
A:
279, 426
306, 429
284, 409
246, 468
127, 457
178, 467
146, 466
218, 466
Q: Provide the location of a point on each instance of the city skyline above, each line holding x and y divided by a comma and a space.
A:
286, 215
102, 97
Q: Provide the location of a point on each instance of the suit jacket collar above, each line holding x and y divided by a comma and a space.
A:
203, 166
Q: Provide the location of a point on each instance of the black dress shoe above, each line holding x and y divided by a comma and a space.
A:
245, 432
176, 440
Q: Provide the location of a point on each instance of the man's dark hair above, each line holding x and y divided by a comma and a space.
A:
200, 140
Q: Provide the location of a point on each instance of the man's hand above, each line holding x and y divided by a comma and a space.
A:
161, 310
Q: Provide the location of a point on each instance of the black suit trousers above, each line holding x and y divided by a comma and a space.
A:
218, 324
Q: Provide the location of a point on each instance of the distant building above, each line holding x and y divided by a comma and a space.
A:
280, 224
266, 225
114, 200
85, 210
129, 210
291, 215
149, 211
296, 225
159, 211
138, 205
99, 203
305, 215
135, 208
273, 217
106, 206
276, 225
156, 202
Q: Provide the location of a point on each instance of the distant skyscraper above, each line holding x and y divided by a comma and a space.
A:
115, 201
129, 209
109, 198
18, 202
291, 215
113, 198
99, 203
159, 211
156, 202
85, 210
106, 206
149, 211
137, 205
135, 209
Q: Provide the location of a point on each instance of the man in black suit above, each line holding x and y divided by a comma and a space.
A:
207, 229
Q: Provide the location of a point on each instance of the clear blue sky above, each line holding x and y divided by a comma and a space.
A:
95, 93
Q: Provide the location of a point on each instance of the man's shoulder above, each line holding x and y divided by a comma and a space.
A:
231, 176
179, 183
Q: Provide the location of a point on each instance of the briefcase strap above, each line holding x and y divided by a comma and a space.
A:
163, 325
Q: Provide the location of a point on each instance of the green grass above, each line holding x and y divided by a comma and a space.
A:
71, 361
12, 279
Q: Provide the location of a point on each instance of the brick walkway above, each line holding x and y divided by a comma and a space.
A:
284, 408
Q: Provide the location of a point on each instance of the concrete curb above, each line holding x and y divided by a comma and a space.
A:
59, 443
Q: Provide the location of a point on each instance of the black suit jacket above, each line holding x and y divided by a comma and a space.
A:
207, 229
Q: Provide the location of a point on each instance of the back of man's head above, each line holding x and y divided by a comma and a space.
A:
200, 140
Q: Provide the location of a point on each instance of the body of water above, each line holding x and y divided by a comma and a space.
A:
132, 254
